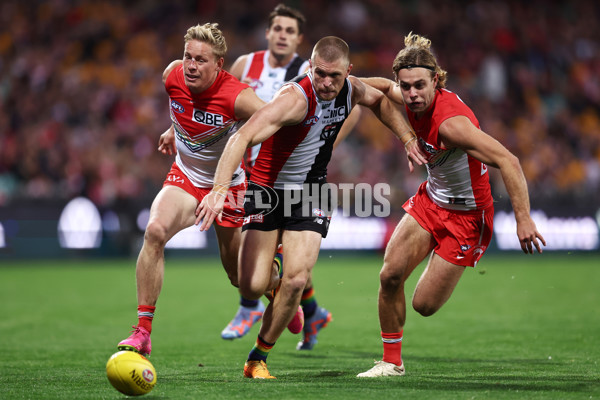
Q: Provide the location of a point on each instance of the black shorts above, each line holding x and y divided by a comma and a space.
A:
308, 209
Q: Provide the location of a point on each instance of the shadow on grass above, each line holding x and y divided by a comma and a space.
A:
424, 374
466, 375
534, 383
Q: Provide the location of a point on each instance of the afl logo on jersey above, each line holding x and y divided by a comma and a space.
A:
254, 84
178, 108
311, 120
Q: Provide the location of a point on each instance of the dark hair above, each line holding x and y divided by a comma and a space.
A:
284, 11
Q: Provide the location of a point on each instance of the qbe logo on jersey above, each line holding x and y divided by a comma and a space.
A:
207, 118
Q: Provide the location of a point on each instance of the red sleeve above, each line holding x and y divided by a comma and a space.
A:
450, 105
172, 78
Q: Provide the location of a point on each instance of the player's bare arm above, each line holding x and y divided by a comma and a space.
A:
387, 87
246, 104
390, 114
170, 68
166, 142
460, 132
237, 69
287, 107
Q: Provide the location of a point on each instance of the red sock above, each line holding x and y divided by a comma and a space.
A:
392, 347
145, 316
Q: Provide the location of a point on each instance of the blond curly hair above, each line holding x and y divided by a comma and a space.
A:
417, 53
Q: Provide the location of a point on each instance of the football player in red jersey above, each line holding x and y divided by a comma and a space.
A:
206, 105
450, 218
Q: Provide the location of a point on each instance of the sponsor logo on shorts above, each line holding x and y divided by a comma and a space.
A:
318, 212
411, 202
465, 247
175, 179
478, 251
256, 218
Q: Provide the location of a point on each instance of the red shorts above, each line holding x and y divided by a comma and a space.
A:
461, 237
233, 212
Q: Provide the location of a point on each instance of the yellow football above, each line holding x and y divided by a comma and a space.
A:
130, 373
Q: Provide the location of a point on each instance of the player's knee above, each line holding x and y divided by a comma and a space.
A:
156, 234
296, 283
424, 307
231, 270
250, 290
390, 278
233, 279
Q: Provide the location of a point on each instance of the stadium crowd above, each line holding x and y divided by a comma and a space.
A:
82, 103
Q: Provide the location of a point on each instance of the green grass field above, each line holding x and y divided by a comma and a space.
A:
517, 327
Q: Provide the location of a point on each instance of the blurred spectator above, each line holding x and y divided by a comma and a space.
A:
82, 103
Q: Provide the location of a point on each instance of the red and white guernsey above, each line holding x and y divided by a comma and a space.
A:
299, 154
455, 180
266, 81
203, 122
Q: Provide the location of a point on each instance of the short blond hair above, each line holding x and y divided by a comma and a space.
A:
331, 49
417, 53
210, 34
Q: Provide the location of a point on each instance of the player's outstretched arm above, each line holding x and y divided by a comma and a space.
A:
286, 108
390, 114
386, 86
460, 132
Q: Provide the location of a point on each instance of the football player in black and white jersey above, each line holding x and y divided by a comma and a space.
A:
266, 71
297, 129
